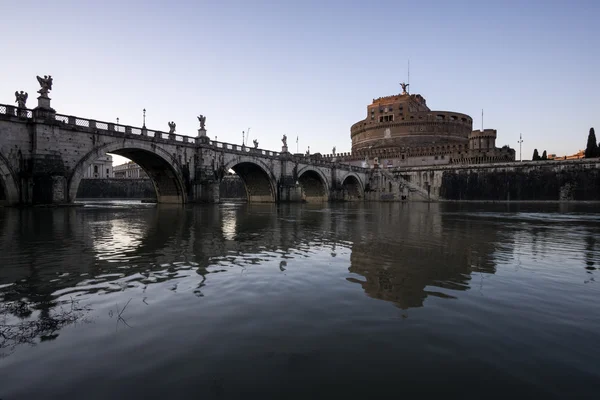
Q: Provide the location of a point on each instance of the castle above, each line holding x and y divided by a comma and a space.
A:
401, 131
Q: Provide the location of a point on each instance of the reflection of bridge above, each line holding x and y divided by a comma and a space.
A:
43, 156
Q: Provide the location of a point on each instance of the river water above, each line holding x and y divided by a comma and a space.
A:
138, 301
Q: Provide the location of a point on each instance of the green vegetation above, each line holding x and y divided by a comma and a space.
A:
592, 149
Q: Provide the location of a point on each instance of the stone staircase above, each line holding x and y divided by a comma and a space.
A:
412, 187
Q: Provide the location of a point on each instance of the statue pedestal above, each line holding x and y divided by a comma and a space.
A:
43, 110
201, 132
284, 149
44, 103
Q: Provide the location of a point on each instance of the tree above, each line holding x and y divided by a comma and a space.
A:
536, 155
544, 155
592, 147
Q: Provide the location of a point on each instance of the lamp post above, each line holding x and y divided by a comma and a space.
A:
520, 141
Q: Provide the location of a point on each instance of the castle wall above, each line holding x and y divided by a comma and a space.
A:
570, 180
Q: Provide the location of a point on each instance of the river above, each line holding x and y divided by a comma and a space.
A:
138, 301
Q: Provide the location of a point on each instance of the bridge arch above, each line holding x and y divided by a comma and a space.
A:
164, 172
353, 187
9, 192
257, 177
315, 187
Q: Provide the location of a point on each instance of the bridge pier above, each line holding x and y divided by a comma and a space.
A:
289, 192
206, 192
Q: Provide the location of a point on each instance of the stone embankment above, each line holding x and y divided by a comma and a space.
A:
231, 187
567, 180
113, 188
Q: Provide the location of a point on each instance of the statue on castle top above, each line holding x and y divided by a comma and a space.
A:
46, 84
404, 87
333, 151
202, 120
284, 140
255, 143
172, 127
21, 99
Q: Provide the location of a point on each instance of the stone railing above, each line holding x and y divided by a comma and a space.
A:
242, 149
126, 130
123, 129
312, 159
15, 111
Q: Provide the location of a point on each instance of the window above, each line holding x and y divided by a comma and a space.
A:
95, 169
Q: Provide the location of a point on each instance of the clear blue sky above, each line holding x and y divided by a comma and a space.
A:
310, 68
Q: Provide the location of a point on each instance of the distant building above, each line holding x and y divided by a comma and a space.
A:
129, 170
576, 156
401, 131
101, 168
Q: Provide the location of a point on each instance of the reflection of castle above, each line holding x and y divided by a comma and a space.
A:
401, 130
429, 257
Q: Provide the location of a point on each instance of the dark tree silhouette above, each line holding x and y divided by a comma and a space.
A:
592, 147
536, 155
544, 155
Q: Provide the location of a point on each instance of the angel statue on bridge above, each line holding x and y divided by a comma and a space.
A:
21, 99
172, 127
333, 151
46, 84
284, 140
202, 120
255, 143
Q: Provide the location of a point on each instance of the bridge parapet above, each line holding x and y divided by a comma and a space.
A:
84, 124
126, 131
304, 159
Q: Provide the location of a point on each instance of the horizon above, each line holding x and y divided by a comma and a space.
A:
309, 70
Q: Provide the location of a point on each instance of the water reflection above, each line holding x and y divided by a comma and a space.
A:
398, 253
125, 266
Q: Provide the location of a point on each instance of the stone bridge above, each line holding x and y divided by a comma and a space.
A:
43, 157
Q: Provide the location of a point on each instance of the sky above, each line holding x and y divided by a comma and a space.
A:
308, 69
